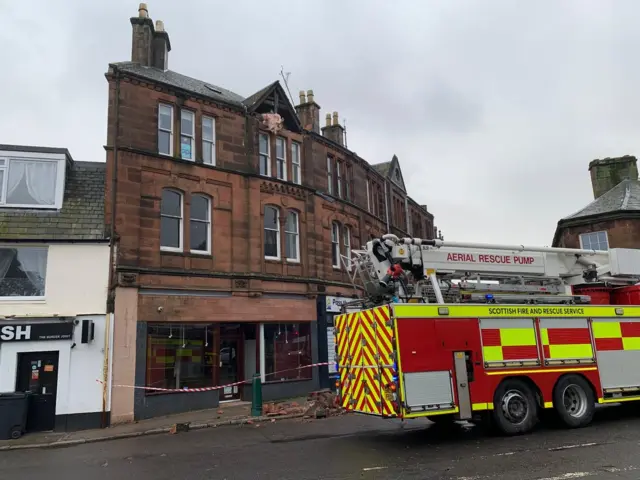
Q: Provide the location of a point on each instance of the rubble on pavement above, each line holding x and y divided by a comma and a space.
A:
320, 404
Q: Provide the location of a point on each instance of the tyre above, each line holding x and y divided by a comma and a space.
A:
15, 433
573, 401
515, 410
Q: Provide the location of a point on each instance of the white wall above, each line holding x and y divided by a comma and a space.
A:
78, 368
76, 283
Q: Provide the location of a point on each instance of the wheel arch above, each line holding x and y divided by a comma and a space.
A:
535, 388
576, 374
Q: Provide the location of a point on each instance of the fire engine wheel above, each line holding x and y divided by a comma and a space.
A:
515, 408
574, 401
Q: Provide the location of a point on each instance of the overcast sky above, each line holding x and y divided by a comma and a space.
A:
494, 108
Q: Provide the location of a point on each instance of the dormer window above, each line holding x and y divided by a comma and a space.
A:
31, 180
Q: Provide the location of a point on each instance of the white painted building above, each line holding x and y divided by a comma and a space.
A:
55, 334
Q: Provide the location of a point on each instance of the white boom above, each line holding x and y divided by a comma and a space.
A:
414, 269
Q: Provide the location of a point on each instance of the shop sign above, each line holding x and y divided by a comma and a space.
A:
36, 332
334, 304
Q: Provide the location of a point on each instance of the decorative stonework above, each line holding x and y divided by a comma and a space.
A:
128, 279
240, 283
282, 189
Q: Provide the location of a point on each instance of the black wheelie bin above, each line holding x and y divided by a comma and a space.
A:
13, 414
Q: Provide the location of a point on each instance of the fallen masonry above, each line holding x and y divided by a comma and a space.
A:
319, 404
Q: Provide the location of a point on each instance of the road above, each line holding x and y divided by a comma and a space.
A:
348, 447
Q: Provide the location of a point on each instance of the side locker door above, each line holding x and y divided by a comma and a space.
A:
354, 349
384, 355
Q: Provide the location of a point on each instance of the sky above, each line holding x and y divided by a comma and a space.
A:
494, 108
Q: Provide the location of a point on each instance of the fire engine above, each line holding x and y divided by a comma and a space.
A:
470, 331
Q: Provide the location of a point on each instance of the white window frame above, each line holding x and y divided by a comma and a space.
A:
281, 160
368, 196
263, 155
211, 141
296, 169
181, 224
346, 238
207, 221
190, 135
37, 299
339, 179
295, 259
277, 230
170, 107
329, 176
61, 167
588, 234
335, 244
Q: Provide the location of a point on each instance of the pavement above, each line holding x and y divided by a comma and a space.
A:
235, 413
349, 447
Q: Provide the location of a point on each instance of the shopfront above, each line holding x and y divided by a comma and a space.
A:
331, 307
58, 361
192, 355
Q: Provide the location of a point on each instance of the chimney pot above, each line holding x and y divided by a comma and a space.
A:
143, 11
303, 97
328, 119
335, 118
310, 96
159, 26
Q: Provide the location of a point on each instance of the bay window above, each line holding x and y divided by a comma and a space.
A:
271, 233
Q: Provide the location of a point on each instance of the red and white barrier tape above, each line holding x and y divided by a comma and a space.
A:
208, 389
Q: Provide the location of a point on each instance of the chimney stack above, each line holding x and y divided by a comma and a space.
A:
309, 112
609, 172
333, 130
150, 46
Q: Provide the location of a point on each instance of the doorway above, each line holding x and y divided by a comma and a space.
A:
38, 374
230, 355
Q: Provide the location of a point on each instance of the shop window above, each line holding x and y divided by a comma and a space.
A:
287, 348
23, 271
180, 356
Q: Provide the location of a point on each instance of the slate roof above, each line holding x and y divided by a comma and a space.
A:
382, 168
80, 218
623, 197
183, 82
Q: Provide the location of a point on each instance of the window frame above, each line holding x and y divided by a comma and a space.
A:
281, 160
207, 222
339, 179
277, 230
335, 244
266, 155
346, 240
297, 237
588, 234
61, 168
33, 298
368, 196
191, 136
296, 163
181, 223
207, 141
171, 131
329, 176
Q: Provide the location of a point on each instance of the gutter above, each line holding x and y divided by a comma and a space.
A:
114, 187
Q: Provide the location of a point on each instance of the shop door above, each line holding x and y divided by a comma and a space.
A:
230, 356
38, 374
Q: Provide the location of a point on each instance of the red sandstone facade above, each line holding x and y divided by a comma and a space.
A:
248, 272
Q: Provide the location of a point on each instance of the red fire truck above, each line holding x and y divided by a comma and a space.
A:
467, 331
